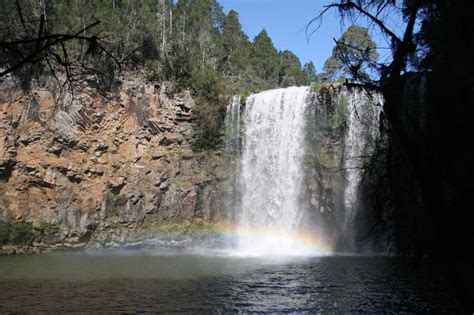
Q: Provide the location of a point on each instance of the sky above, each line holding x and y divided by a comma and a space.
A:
286, 21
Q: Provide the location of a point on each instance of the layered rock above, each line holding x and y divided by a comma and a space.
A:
102, 169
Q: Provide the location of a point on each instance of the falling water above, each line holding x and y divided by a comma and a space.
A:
267, 162
232, 154
232, 125
363, 110
271, 172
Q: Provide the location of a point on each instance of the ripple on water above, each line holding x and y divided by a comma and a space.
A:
190, 283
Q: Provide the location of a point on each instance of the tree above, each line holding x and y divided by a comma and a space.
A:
309, 71
209, 112
353, 55
204, 19
265, 58
32, 44
290, 70
431, 66
235, 43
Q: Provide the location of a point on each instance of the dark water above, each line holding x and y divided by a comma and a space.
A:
138, 282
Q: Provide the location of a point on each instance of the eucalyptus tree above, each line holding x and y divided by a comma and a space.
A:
354, 55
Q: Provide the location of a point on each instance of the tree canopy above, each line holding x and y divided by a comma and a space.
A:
353, 55
192, 44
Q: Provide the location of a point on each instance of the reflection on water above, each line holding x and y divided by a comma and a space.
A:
137, 282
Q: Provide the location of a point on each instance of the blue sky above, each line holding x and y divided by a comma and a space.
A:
285, 22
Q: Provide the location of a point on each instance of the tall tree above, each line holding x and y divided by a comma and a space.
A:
440, 225
309, 71
204, 19
353, 55
235, 43
290, 70
265, 58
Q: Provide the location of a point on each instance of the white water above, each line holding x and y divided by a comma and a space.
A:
362, 131
232, 153
269, 167
271, 172
232, 124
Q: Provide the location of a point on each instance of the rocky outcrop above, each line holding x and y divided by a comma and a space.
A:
88, 169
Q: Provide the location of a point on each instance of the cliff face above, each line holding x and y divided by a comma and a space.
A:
107, 171
102, 170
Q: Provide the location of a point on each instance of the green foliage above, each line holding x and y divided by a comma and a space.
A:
178, 67
190, 43
44, 228
105, 70
205, 84
236, 46
17, 233
290, 70
264, 58
335, 122
310, 72
209, 111
208, 122
326, 127
354, 54
316, 154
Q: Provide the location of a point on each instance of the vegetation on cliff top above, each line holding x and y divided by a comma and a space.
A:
191, 43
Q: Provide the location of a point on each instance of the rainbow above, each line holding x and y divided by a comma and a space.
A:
264, 241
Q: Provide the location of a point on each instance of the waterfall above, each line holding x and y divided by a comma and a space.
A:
363, 111
232, 125
271, 171
232, 152
269, 192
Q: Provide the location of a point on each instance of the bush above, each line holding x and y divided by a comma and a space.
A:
104, 69
205, 84
209, 112
177, 68
20, 233
4, 232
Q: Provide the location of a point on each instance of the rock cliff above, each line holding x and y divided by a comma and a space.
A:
118, 169
88, 168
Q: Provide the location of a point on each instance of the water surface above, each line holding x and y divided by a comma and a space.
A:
183, 282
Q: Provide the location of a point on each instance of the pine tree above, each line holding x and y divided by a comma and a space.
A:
236, 45
290, 70
265, 61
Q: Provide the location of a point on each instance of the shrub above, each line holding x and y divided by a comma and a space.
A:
205, 84
18, 233
209, 112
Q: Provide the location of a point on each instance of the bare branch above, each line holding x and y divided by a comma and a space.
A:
346, 7
44, 43
20, 13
